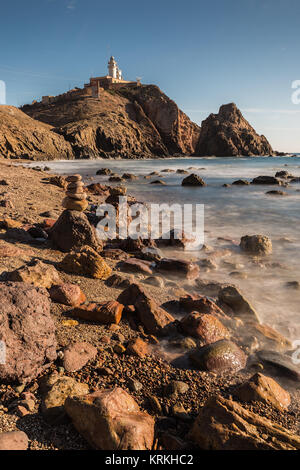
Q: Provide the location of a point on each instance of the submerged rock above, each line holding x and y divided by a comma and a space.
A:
193, 180
179, 268
266, 180
221, 356
111, 420
277, 364
256, 244
231, 296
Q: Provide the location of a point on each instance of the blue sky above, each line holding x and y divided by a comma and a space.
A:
200, 53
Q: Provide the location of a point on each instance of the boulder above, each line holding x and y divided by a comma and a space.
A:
179, 268
67, 294
106, 313
13, 440
256, 244
155, 319
229, 134
201, 304
266, 180
193, 180
177, 238
38, 274
87, 262
221, 356
263, 389
77, 355
241, 182
28, 331
277, 193
54, 400
104, 171
137, 266
223, 424
233, 298
72, 230
138, 347
111, 420
205, 327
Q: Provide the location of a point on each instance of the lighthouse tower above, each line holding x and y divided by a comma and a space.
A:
113, 69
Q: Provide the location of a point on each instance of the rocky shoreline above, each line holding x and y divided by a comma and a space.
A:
94, 329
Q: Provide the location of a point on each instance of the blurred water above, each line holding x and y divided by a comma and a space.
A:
229, 212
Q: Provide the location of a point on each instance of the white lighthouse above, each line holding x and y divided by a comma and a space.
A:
113, 69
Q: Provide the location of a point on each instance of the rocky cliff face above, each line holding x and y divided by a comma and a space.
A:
129, 123
23, 137
229, 134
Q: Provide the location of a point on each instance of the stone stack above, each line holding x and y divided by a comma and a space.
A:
75, 199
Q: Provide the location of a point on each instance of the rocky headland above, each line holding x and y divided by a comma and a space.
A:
229, 134
128, 122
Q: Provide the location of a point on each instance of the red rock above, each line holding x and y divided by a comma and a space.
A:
38, 274
201, 304
137, 265
28, 331
221, 356
106, 313
179, 268
48, 223
224, 424
77, 355
13, 440
67, 294
204, 326
155, 319
138, 347
263, 389
111, 420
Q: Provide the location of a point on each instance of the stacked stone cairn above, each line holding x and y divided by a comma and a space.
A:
75, 199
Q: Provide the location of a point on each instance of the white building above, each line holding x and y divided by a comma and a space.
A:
113, 69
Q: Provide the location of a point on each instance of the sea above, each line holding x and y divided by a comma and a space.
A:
229, 213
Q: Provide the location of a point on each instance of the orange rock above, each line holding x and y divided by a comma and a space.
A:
86, 261
109, 312
204, 326
264, 389
138, 347
111, 420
